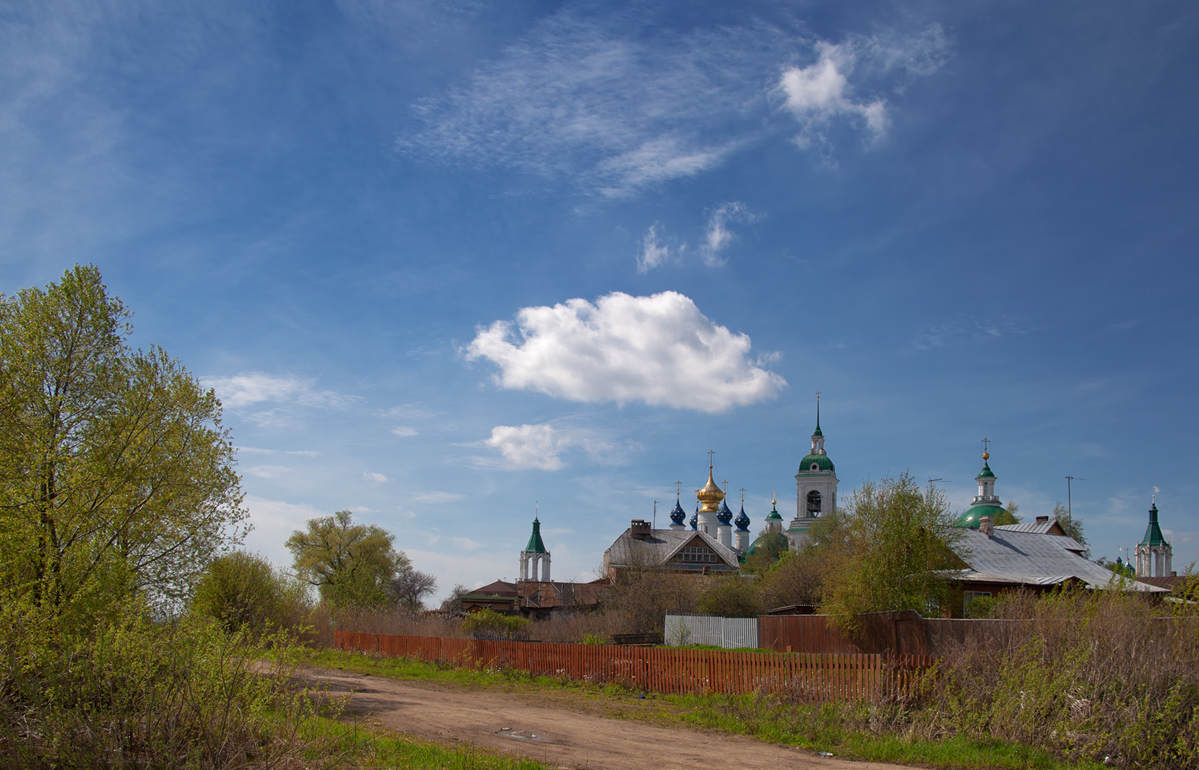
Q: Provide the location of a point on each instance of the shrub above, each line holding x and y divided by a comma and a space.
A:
242, 591
730, 597
144, 694
489, 622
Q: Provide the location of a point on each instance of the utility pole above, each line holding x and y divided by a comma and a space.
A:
1069, 503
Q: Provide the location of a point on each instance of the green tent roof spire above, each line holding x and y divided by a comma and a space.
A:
1153, 533
535, 545
817, 432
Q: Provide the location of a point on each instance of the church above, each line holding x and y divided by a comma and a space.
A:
717, 542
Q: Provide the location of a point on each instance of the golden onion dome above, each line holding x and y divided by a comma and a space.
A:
710, 495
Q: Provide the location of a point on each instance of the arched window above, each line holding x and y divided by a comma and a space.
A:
813, 503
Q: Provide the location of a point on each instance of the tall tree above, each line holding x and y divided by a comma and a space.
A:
1072, 524
115, 472
892, 553
355, 565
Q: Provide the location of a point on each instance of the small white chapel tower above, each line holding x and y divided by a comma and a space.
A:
535, 556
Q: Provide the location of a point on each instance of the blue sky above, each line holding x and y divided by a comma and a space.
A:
449, 262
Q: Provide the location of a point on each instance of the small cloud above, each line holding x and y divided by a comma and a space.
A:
623, 349
406, 514
466, 544
541, 446
242, 390
268, 471
408, 412
377, 478
820, 92
720, 234
656, 252
528, 446
404, 431
291, 453
437, 497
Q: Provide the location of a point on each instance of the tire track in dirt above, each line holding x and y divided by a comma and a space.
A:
558, 732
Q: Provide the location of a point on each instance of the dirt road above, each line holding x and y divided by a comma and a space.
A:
567, 731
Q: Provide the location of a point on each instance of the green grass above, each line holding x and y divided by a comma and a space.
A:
852, 731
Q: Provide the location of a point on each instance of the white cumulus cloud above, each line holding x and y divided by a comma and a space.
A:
377, 478
821, 91
528, 446
660, 350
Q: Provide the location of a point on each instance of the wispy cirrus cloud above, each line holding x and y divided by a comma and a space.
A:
720, 232
623, 349
614, 104
962, 329
657, 250
243, 390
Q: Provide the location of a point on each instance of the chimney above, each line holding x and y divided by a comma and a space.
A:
984, 525
1042, 519
639, 528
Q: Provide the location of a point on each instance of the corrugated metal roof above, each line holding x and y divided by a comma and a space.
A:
1028, 558
660, 546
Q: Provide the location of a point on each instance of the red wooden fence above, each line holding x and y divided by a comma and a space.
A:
806, 676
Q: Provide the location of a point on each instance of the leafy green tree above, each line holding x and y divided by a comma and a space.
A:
116, 476
892, 552
241, 590
355, 565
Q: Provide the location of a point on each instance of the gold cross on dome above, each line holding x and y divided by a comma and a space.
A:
986, 444
678, 486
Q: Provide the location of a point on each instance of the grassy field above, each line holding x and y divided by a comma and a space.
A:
858, 731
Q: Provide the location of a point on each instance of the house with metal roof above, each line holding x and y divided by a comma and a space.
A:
1036, 555
684, 550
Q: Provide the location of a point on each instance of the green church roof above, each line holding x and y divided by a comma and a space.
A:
821, 462
985, 473
1153, 534
972, 517
774, 515
535, 545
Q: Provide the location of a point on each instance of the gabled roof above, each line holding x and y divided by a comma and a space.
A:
1035, 527
498, 588
661, 546
1029, 558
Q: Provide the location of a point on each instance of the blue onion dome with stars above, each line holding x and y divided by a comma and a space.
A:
725, 515
678, 515
695, 518
742, 521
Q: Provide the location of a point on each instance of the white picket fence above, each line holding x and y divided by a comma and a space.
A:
730, 633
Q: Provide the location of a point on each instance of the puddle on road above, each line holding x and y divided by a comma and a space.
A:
508, 732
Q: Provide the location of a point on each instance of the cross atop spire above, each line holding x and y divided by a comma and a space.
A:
742, 490
710, 453
986, 442
678, 486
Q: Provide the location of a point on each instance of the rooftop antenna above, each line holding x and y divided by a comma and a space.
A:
655, 514
1069, 503
943, 481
